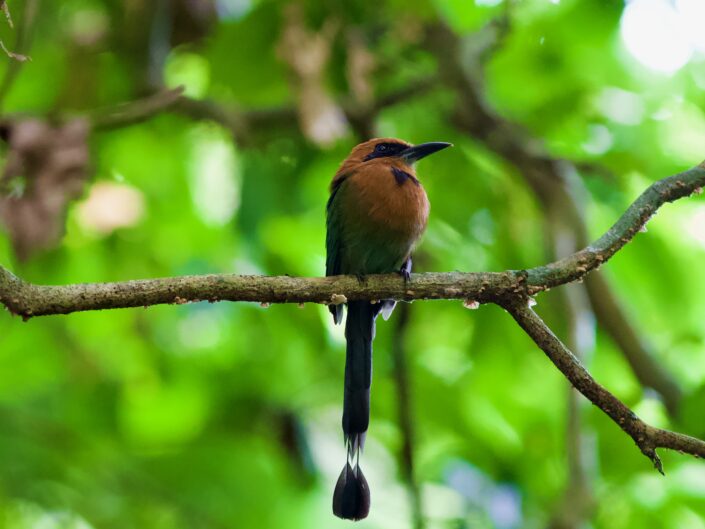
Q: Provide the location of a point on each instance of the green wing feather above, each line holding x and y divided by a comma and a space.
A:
334, 244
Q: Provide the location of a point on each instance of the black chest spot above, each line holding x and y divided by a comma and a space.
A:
402, 176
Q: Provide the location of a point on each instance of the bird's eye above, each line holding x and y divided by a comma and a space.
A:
381, 147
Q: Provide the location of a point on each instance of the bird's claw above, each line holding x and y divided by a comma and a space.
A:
405, 270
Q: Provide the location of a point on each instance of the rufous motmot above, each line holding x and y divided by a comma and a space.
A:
376, 213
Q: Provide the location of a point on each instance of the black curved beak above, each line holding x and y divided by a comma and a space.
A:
416, 152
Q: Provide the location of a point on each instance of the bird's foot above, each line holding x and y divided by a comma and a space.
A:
405, 270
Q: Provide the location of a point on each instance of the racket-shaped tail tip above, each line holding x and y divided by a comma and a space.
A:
351, 499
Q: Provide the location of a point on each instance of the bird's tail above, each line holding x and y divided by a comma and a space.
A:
351, 499
359, 333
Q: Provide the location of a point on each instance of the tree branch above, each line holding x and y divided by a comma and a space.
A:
136, 111
646, 437
28, 300
240, 122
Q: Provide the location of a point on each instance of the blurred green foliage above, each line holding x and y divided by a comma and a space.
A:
228, 415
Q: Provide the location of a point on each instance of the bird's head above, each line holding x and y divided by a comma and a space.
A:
387, 151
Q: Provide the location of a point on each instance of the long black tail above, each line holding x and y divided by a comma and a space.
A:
351, 499
359, 333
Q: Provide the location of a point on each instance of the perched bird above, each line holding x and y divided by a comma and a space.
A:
376, 213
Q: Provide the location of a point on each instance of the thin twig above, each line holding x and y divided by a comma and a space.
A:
14, 55
22, 44
646, 437
137, 111
414, 89
241, 122
6, 10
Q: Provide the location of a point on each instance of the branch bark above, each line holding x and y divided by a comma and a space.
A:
28, 300
646, 437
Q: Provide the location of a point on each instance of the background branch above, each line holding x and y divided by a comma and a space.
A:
22, 44
646, 437
578, 502
406, 422
136, 111
243, 122
635, 349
